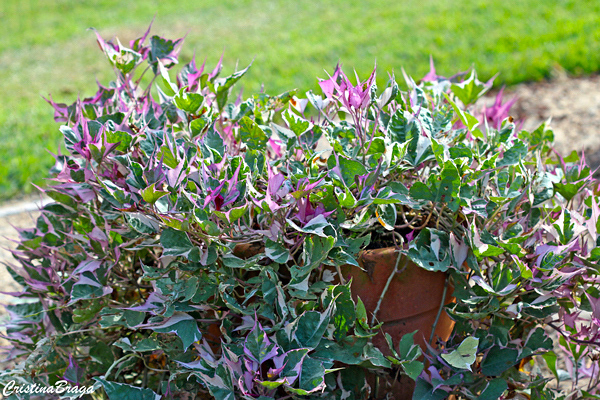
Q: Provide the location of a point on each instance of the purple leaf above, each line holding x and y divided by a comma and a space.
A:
89, 265
595, 304
498, 112
328, 86
431, 76
73, 373
155, 301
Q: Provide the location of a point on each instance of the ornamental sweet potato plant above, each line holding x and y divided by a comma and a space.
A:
196, 241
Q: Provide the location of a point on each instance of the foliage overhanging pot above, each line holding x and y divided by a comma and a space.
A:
402, 295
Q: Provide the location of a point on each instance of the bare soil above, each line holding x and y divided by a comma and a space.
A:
573, 107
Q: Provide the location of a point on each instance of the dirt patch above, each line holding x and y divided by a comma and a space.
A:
572, 104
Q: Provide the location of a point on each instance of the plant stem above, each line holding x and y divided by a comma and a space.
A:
437, 224
387, 285
339, 271
439, 313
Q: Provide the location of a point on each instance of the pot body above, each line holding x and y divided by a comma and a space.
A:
411, 302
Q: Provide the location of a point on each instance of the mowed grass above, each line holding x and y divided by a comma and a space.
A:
45, 48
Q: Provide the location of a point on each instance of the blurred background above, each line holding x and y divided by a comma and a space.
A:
46, 48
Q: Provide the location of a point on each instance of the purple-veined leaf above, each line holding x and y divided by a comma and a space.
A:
73, 373
257, 345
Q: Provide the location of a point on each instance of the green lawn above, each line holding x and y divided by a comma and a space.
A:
45, 47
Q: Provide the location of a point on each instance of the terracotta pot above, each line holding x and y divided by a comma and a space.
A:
411, 302
247, 250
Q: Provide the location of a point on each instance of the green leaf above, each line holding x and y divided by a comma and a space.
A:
377, 146
232, 215
513, 155
499, 360
412, 368
142, 223
225, 84
443, 188
134, 318
62, 198
344, 315
464, 356
214, 140
122, 391
258, 344
568, 190
147, 344
345, 197
276, 252
361, 313
407, 349
86, 314
550, 358
341, 257
297, 124
315, 226
494, 389
312, 375
292, 359
198, 125
348, 352
465, 117
175, 243
544, 190
374, 357
151, 195
126, 60
315, 250
188, 102
486, 250
537, 340
168, 157
400, 129
183, 325
310, 327
102, 354
123, 138
430, 250
252, 135
74, 373
30, 311
88, 287
231, 261
565, 227
386, 215
349, 170
470, 89
425, 391
169, 87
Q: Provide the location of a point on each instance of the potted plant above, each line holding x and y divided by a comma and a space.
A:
207, 247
